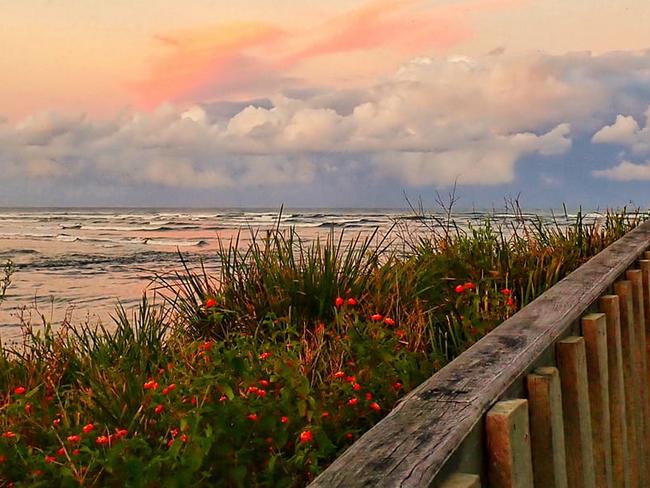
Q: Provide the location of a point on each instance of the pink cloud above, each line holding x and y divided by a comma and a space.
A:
250, 59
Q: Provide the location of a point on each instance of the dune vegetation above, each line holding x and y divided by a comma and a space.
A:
261, 375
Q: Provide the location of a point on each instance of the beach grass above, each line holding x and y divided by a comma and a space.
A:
261, 375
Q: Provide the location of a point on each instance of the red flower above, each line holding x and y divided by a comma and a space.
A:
356, 386
61, 452
28, 408
88, 427
349, 435
3, 458
351, 379
306, 436
183, 438
210, 303
339, 374
74, 438
338, 303
223, 398
20, 390
376, 317
389, 321
159, 409
469, 285
510, 302
150, 385
9, 435
459, 289
252, 389
375, 406
368, 396
119, 433
260, 393
400, 333
397, 386
324, 415
102, 440
76, 452
352, 302
253, 417
170, 443
265, 383
265, 355
506, 291
171, 387
353, 401
56, 422
284, 419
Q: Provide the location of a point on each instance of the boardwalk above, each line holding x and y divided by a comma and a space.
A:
556, 396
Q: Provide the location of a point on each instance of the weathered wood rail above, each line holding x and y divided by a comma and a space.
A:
556, 396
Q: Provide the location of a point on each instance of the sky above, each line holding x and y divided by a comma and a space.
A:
337, 103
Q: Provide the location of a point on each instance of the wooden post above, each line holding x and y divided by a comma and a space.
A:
572, 363
594, 330
631, 376
508, 443
547, 428
462, 480
636, 278
609, 305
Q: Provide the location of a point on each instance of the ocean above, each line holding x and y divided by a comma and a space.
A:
77, 263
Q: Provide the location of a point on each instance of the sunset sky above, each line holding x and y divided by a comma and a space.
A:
324, 103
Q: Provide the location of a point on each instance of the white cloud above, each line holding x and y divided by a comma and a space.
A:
434, 122
626, 171
625, 131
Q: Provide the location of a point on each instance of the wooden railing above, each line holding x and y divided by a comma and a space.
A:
556, 396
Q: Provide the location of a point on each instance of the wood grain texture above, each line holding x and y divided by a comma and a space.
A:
508, 445
547, 428
609, 305
413, 443
572, 364
631, 381
594, 331
635, 276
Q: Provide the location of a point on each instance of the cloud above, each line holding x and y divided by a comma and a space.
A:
434, 122
249, 59
626, 171
625, 131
